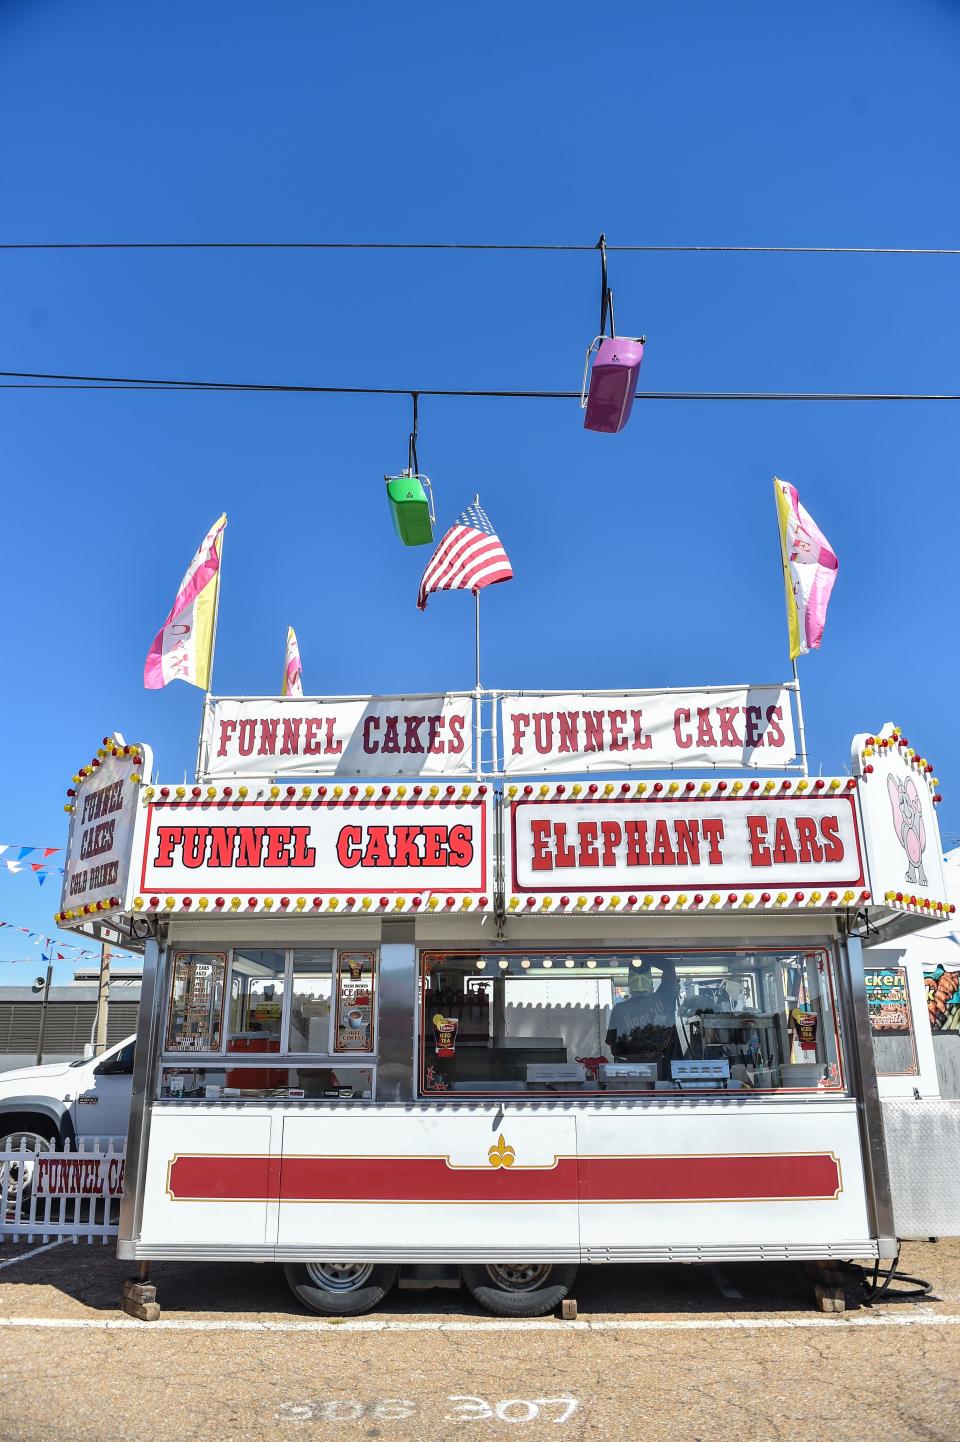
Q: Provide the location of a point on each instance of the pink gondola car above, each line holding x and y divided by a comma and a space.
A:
613, 382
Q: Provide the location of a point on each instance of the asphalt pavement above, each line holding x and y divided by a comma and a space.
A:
683, 1354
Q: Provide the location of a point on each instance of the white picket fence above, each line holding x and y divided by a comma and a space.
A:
64, 1193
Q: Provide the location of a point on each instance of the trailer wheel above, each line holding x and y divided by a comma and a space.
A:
340, 1289
518, 1289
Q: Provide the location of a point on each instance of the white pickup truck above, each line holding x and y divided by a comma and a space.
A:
67, 1101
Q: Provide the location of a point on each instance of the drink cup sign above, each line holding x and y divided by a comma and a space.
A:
445, 1031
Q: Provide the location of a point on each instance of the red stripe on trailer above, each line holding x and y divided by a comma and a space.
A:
718, 1178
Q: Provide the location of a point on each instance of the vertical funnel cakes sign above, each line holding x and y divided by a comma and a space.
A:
103, 806
898, 798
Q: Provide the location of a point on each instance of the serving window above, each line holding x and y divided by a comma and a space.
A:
270, 1022
495, 1023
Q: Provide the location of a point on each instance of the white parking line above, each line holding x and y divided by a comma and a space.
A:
440, 1324
34, 1252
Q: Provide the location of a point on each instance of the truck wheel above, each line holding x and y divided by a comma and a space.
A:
340, 1289
519, 1289
34, 1143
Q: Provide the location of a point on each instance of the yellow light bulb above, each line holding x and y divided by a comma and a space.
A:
514, 903
268, 903
274, 792
234, 903
301, 902
203, 903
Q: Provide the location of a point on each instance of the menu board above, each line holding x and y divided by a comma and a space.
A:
888, 1001
196, 1001
943, 998
355, 983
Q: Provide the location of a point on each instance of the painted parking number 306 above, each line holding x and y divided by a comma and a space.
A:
462, 1407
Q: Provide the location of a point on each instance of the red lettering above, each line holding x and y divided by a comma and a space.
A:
593, 730
567, 721
705, 736
434, 743
784, 852
250, 845
682, 713
455, 736
391, 736
194, 845
712, 830
640, 742
587, 833
728, 734
809, 847
688, 842
331, 747
543, 732
433, 841
348, 845
461, 845
830, 831
618, 719
521, 721
754, 736
291, 736
542, 856
775, 736
268, 737
370, 725
406, 852
412, 745
311, 743
376, 852
759, 850
222, 839
276, 853
167, 839
227, 729
661, 853
612, 833
246, 737
637, 843
565, 855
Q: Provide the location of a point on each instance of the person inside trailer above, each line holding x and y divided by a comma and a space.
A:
642, 1027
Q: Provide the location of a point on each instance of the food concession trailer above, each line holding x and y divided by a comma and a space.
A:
441, 1018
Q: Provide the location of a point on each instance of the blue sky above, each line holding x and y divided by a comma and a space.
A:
644, 559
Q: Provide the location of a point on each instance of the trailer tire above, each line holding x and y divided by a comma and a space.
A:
339, 1289
518, 1289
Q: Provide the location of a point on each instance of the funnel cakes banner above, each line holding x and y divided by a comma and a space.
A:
731, 726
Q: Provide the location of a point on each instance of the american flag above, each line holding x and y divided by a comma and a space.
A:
469, 557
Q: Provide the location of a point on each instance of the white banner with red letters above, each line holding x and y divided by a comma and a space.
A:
356, 736
677, 846
318, 847
729, 726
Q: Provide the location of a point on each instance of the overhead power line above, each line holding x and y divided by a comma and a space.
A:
42, 380
652, 249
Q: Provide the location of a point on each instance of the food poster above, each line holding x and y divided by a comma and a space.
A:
354, 1002
888, 1001
943, 998
196, 1002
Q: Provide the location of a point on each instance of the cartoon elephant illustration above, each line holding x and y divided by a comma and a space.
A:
908, 824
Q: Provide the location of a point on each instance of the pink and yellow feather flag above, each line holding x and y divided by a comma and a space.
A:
292, 674
810, 568
183, 647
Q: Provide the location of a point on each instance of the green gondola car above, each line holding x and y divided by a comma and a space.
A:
411, 505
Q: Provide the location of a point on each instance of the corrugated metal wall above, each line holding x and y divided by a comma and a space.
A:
69, 1026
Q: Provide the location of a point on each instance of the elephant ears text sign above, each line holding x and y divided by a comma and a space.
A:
898, 792
578, 732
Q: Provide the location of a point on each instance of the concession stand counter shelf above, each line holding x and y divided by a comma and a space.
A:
512, 1032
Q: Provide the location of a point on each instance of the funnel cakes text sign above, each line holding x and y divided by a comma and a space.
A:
583, 732
629, 845
354, 736
329, 847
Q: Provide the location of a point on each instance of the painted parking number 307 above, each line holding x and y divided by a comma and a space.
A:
462, 1407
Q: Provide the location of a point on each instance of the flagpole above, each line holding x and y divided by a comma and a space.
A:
213, 652
801, 733
478, 719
